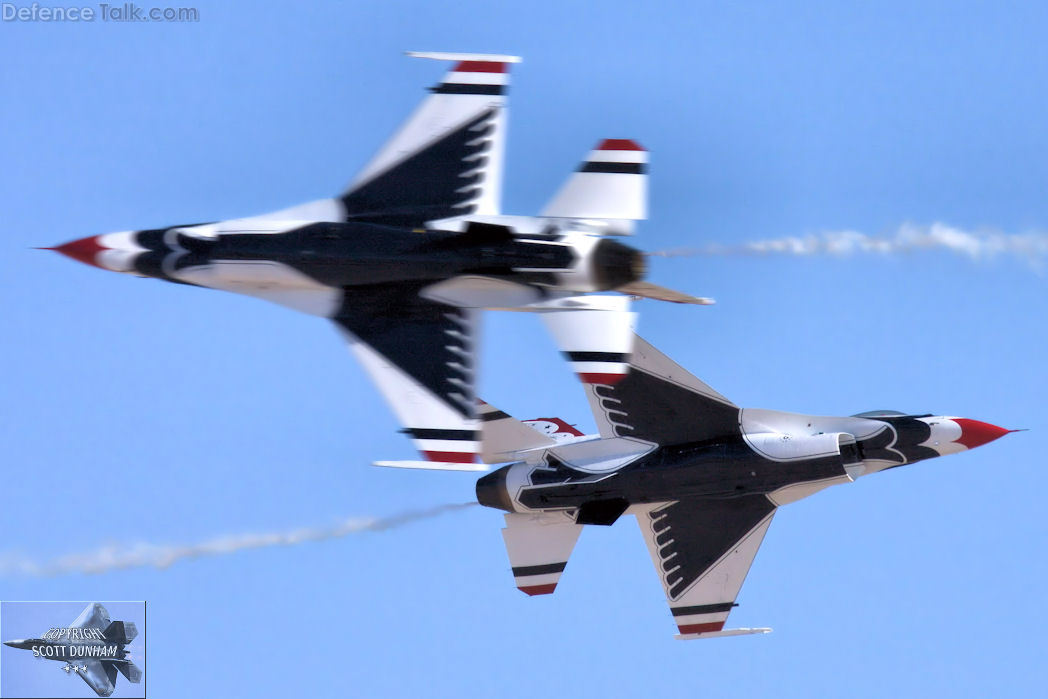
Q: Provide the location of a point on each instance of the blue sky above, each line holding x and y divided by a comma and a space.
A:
140, 411
22, 675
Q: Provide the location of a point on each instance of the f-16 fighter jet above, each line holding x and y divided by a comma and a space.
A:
92, 646
405, 257
703, 477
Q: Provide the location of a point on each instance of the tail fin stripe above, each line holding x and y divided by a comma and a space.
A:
615, 168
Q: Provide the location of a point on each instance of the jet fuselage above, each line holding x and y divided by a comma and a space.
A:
761, 461
346, 255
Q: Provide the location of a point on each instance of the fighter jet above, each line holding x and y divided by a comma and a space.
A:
92, 646
703, 478
404, 258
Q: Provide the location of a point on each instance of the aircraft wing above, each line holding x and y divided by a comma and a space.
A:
702, 550
421, 355
659, 401
445, 161
99, 676
94, 616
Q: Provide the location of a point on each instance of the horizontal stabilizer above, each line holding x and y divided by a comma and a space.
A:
433, 465
539, 547
721, 634
595, 335
648, 290
611, 184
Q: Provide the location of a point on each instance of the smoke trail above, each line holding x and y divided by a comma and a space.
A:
142, 555
976, 245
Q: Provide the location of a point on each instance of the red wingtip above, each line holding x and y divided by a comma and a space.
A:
533, 590
82, 250
702, 628
619, 144
975, 433
607, 379
453, 457
480, 67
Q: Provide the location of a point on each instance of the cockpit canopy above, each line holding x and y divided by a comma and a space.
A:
874, 414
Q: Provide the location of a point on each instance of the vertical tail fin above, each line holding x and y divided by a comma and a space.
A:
122, 632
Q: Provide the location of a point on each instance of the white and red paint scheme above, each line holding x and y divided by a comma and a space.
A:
703, 478
405, 258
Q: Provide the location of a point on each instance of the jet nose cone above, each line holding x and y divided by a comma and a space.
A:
15, 644
975, 433
83, 250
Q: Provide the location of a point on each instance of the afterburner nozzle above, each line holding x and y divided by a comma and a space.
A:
615, 264
491, 490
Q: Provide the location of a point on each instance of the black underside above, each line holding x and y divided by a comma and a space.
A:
431, 342
692, 535
360, 254
602, 512
435, 183
722, 469
651, 408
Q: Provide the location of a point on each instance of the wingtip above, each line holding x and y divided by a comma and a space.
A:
723, 634
434, 465
483, 57
620, 144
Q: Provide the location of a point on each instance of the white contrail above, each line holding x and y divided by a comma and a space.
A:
976, 245
142, 555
